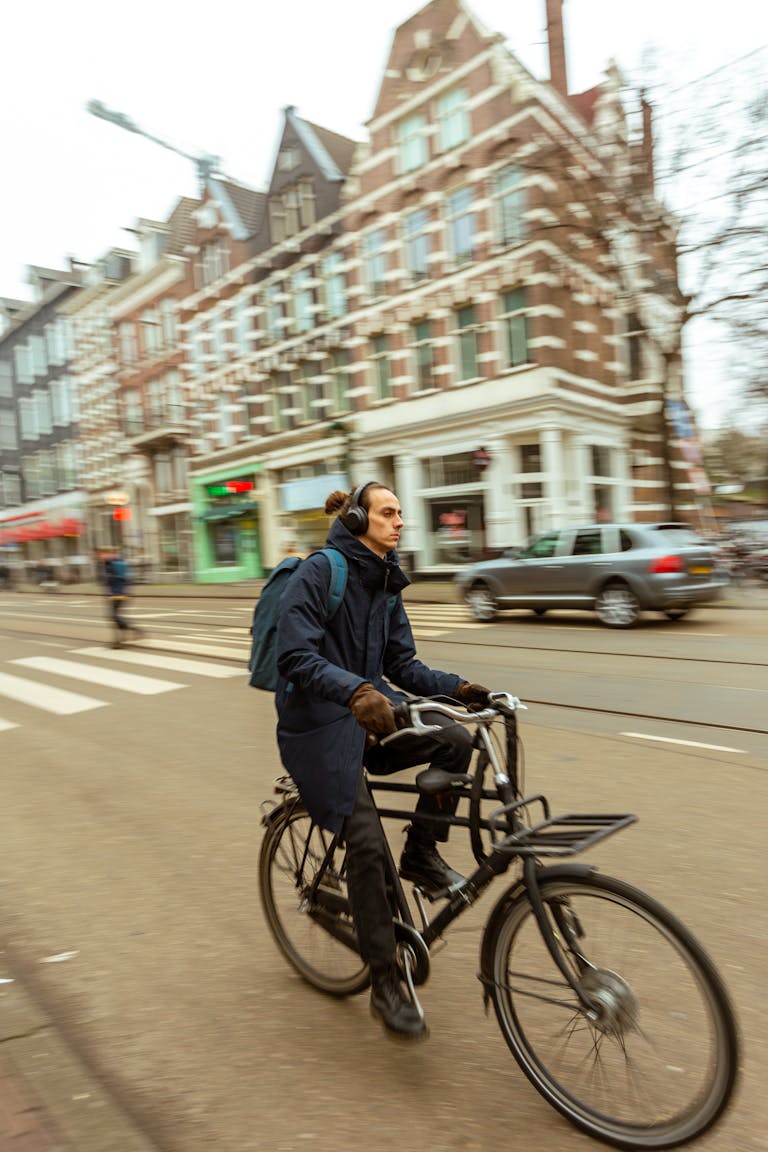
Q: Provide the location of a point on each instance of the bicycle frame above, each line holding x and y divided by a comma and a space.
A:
551, 836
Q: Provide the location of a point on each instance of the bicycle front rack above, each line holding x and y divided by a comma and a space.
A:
554, 835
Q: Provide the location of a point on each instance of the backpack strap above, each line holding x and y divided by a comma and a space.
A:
338, 585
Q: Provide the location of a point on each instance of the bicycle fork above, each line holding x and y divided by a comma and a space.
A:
568, 928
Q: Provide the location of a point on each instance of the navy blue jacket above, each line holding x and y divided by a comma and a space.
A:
322, 663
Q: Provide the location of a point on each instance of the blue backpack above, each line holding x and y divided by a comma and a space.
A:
262, 664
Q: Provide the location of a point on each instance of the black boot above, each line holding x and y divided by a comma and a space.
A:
390, 1005
423, 865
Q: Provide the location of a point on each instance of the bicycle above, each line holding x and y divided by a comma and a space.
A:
610, 1006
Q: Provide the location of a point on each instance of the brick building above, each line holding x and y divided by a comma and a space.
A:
484, 317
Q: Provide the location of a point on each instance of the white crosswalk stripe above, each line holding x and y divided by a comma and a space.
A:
43, 696
109, 677
6, 724
169, 663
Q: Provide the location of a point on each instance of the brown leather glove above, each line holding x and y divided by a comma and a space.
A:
372, 710
472, 695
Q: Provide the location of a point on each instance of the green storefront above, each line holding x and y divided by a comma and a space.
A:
225, 526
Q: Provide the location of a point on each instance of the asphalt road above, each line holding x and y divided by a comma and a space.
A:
128, 889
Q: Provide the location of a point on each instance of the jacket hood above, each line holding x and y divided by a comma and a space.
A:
375, 571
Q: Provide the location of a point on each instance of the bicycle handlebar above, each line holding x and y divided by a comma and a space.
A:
409, 714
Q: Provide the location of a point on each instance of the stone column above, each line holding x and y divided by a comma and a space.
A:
413, 542
555, 479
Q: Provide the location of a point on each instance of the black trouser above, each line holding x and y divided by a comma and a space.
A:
116, 606
450, 749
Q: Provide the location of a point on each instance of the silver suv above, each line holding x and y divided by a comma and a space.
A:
617, 570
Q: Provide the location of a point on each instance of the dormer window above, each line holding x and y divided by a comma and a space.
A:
288, 158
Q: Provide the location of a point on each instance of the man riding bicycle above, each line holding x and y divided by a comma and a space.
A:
333, 704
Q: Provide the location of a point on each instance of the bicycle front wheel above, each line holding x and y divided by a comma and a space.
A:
314, 933
654, 1063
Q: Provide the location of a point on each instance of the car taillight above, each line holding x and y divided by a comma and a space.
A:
667, 564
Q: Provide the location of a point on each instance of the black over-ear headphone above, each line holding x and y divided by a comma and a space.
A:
355, 519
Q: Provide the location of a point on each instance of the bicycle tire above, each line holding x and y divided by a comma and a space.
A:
291, 853
664, 1009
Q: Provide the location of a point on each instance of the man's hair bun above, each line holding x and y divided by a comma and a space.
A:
335, 501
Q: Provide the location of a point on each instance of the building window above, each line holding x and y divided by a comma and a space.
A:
602, 460
6, 379
417, 243
55, 344
285, 414
375, 262
453, 119
466, 327
133, 417
304, 301
381, 377
11, 488
412, 142
243, 326
128, 348
168, 323
28, 418
276, 313
335, 286
37, 351
635, 337
338, 370
515, 322
424, 355
151, 334
30, 470
214, 262
461, 224
8, 435
61, 401
306, 198
511, 200
530, 464
277, 219
46, 472
23, 364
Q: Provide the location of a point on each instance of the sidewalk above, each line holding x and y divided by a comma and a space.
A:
50, 1101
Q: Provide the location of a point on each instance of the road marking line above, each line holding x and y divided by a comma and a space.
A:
170, 663
194, 649
687, 743
43, 696
109, 677
6, 724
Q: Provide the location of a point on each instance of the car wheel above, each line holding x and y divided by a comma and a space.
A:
617, 606
676, 613
481, 603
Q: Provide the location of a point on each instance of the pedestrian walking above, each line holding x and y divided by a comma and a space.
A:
115, 577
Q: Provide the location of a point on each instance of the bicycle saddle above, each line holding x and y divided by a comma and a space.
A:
434, 780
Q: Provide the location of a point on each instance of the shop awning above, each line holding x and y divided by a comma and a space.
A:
227, 512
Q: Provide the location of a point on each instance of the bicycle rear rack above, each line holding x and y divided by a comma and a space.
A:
554, 835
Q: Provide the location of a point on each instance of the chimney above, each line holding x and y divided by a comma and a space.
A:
648, 158
556, 41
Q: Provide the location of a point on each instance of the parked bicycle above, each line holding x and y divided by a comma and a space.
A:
610, 1006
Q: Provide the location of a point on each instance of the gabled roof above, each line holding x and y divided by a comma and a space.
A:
181, 226
330, 151
584, 102
242, 207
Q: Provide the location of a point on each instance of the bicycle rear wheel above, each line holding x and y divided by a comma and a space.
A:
657, 1064
316, 935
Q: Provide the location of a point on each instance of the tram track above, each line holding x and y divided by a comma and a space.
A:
709, 723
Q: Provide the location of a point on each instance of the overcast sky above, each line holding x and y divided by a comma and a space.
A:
213, 76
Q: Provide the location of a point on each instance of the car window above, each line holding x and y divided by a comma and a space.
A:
588, 542
673, 535
541, 547
625, 540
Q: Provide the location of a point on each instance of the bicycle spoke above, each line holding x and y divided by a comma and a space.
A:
649, 1056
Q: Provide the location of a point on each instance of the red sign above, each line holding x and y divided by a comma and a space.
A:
122, 514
